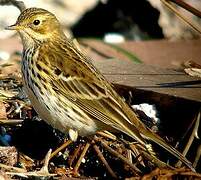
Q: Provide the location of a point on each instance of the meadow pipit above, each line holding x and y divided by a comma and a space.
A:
66, 90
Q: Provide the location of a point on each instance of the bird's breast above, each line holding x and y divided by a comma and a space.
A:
56, 111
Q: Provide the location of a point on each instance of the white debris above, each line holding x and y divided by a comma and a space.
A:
113, 38
83, 160
149, 110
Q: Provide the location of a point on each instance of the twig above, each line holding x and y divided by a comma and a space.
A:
64, 145
43, 172
44, 169
129, 155
169, 174
168, 4
197, 157
125, 160
11, 121
75, 154
20, 170
81, 157
193, 135
187, 7
196, 175
19, 4
101, 157
156, 161
136, 153
190, 141
107, 134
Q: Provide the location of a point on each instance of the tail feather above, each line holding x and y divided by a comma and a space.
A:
158, 140
148, 134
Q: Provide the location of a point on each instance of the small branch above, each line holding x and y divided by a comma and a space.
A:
187, 7
136, 153
107, 134
44, 169
101, 157
169, 5
64, 145
170, 174
197, 158
43, 172
125, 160
190, 141
81, 157
19, 4
156, 161
11, 121
75, 154
129, 155
11, 168
193, 135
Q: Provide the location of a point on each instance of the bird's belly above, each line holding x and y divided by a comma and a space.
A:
47, 108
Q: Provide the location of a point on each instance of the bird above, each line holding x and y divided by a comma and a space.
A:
67, 90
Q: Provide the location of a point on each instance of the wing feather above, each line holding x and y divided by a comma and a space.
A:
77, 80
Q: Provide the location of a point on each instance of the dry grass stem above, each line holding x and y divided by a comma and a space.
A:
11, 121
191, 24
197, 157
107, 134
64, 145
186, 6
75, 155
11, 168
190, 141
115, 153
81, 157
155, 160
101, 157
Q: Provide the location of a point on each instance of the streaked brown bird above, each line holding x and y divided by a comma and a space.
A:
66, 90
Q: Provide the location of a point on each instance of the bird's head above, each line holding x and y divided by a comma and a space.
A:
36, 24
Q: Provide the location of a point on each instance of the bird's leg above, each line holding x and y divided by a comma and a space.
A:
73, 135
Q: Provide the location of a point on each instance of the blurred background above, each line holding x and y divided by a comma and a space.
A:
130, 20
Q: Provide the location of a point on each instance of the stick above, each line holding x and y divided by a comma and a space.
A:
101, 157
64, 145
118, 155
188, 7
195, 27
107, 134
75, 154
190, 141
81, 157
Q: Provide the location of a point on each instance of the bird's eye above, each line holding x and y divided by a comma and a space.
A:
36, 22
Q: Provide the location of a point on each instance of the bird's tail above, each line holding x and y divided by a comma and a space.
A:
158, 140
137, 130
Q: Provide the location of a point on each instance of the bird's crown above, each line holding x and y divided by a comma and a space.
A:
37, 24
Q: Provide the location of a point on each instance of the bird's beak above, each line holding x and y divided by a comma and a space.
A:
14, 27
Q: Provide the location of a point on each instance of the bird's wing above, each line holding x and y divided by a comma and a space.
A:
72, 76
